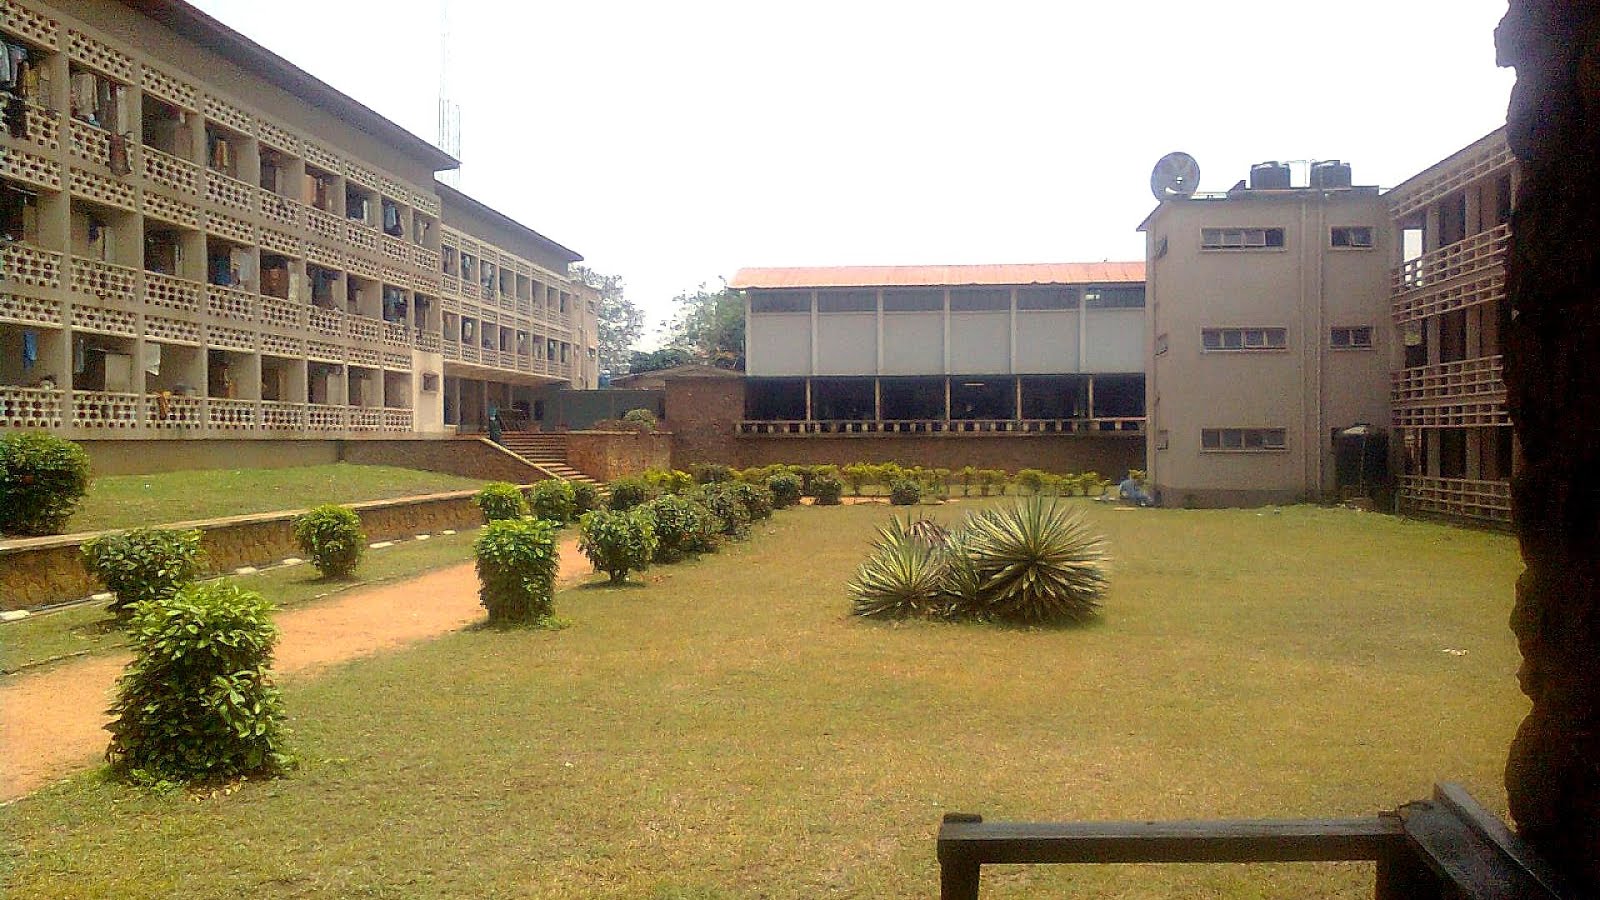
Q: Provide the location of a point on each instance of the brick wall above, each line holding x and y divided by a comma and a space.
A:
704, 414
1109, 454
605, 455
35, 571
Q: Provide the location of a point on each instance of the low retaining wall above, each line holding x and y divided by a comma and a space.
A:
1110, 454
467, 457
607, 455
36, 571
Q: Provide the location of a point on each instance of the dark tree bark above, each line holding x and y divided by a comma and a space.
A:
1552, 372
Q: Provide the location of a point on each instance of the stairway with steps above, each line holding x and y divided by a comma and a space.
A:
548, 451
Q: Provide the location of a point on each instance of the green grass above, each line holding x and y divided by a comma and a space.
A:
89, 628
729, 731
125, 501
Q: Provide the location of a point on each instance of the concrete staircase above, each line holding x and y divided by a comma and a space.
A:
547, 451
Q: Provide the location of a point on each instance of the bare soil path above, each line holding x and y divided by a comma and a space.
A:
52, 721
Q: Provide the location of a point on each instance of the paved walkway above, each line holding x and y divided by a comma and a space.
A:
52, 721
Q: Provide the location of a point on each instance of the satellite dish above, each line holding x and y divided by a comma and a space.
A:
1175, 177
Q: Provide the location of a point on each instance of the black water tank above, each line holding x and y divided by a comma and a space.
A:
1269, 176
1330, 173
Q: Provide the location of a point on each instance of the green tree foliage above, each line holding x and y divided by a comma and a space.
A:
144, 564
42, 478
710, 325
517, 564
656, 360
501, 500
198, 701
621, 320
331, 537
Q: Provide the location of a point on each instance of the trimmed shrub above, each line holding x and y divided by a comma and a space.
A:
827, 490
626, 493
501, 500
663, 481
331, 537
198, 702
905, 492
617, 542
553, 499
903, 576
42, 479
858, 476
516, 570
641, 416
711, 473
678, 521
1031, 480
144, 564
757, 499
785, 490
729, 509
991, 479
1038, 562
968, 476
585, 497
707, 534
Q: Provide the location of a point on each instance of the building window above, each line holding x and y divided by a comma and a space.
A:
1241, 238
1243, 440
913, 301
792, 302
1357, 337
1114, 298
1356, 237
847, 301
979, 301
1047, 298
1244, 339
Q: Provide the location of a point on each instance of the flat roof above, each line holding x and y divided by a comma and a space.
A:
194, 25
939, 276
448, 195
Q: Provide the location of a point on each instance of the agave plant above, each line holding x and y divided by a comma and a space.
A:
963, 583
1038, 560
903, 577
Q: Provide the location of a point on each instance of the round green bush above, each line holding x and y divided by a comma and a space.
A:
642, 417
728, 508
667, 481
682, 526
585, 497
827, 489
617, 542
144, 564
785, 490
711, 473
554, 499
331, 537
905, 492
517, 562
626, 493
501, 500
42, 479
757, 499
198, 702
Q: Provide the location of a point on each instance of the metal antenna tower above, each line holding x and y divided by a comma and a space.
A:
449, 139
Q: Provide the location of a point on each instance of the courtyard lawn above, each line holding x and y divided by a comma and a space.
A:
126, 501
88, 627
728, 731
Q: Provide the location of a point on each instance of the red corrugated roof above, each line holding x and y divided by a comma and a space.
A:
939, 276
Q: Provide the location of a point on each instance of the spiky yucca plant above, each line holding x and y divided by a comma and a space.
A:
903, 577
963, 584
1038, 561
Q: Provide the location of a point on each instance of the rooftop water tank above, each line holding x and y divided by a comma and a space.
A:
1330, 173
1269, 176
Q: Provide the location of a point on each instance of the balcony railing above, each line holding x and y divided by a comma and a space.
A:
28, 407
29, 267
103, 280
172, 411
324, 417
365, 418
280, 209
41, 126
173, 293
450, 349
1466, 273
282, 313
230, 303
1121, 425
326, 321
428, 342
397, 420
397, 334
1475, 380
395, 249
278, 415
1462, 497
324, 224
365, 328
226, 190
232, 415
166, 169
89, 142
105, 409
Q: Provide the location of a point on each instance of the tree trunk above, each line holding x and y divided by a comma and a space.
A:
1552, 373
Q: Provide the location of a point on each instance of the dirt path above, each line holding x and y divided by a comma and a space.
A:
51, 721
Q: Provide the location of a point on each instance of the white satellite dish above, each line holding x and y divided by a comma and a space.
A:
1175, 177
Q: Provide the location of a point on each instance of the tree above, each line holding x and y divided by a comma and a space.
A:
657, 360
710, 324
621, 321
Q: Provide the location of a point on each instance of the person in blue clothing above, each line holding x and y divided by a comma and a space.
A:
1133, 492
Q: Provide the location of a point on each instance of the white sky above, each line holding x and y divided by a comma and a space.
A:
673, 143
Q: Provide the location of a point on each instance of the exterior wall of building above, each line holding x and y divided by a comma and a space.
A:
703, 415
607, 455
260, 269
1456, 445
1304, 390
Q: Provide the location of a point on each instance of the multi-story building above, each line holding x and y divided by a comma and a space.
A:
908, 353
1449, 308
199, 239
1268, 315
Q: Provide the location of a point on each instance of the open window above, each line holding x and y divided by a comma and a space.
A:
97, 100
19, 213
161, 127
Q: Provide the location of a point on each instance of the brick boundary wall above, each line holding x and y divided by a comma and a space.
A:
607, 455
36, 571
1109, 454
